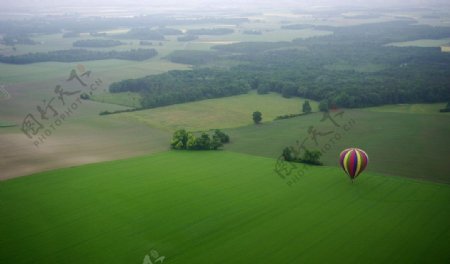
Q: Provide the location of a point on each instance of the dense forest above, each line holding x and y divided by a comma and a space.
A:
193, 57
74, 55
97, 43
353, 67
184, 86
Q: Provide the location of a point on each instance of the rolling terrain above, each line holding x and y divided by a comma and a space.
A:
220, 207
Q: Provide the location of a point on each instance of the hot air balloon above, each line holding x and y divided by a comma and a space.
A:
353, 161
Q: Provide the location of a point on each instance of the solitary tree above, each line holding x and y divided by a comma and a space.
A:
306, 107
257, 117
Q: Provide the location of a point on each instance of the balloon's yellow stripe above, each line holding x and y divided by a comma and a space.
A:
346, 161
359, 161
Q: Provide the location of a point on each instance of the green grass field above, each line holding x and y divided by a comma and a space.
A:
113, 70
410, 108
220, 207
226, 112
126, 98
425, 43
227, 206
410, 145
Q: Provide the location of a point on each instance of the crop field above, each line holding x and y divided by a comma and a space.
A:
103, 137
225, 112
410, 108
198, 207
409, 145
425, 43
126, 98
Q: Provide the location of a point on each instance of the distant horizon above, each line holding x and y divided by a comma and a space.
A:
136, 7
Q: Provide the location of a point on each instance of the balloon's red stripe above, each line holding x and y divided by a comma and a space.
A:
351, 164
364, 160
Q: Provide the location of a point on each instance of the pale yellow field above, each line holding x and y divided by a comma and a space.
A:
226, 112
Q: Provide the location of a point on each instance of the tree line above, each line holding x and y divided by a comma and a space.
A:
74, 55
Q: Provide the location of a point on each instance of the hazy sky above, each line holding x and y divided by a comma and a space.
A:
247, 5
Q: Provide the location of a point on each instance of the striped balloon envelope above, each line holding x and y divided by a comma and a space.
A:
353, 161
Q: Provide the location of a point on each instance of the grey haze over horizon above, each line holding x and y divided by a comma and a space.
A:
244, 5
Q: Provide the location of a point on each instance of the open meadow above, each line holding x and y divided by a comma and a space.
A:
399, 143
219, 208
102, 180
228, 112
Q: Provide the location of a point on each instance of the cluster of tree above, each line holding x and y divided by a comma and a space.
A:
309, 156
184, 86
210, 31
14, 39
97, 43
74, 55
193, 57
187, 37
184, 140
